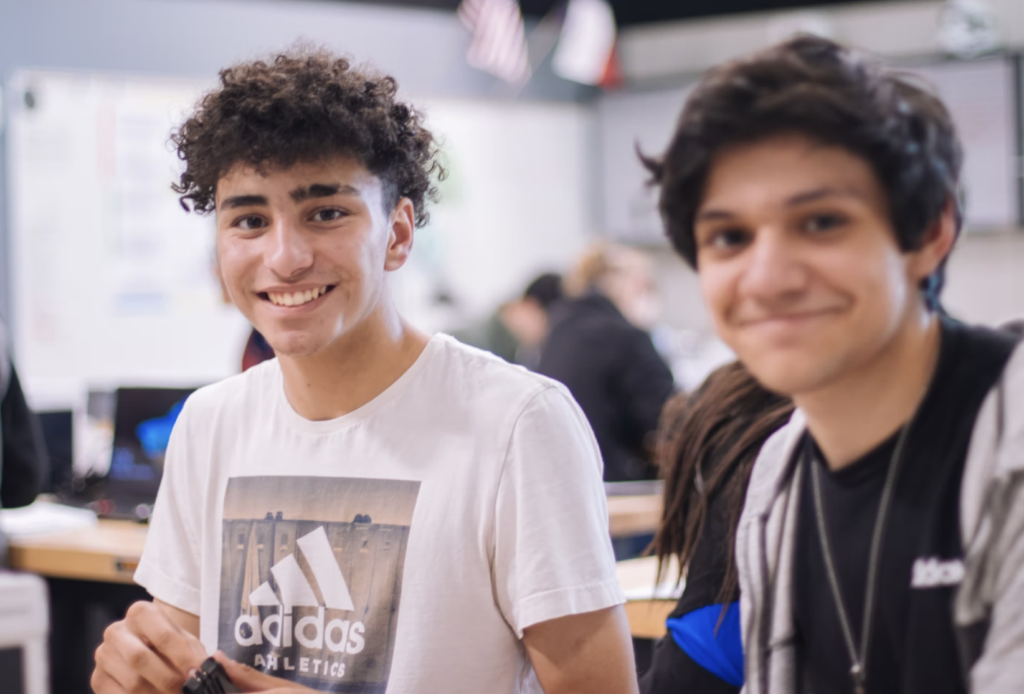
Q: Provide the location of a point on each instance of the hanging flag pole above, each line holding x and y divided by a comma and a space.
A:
586, 51
542, 40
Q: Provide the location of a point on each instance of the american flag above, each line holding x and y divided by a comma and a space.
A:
498, 45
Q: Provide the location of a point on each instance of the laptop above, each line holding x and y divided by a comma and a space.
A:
143, 421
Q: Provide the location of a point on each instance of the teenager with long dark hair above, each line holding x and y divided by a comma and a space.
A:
707, 444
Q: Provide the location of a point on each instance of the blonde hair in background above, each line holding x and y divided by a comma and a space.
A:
596, 262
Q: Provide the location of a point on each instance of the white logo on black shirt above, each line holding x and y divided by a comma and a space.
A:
932, 572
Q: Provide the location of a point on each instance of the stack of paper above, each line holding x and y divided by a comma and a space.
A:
43, 518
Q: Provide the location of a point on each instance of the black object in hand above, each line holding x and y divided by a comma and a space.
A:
210, 678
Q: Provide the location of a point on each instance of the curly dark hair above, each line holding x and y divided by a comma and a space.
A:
817, 88
303, 106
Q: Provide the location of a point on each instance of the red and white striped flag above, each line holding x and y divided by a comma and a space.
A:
498, 45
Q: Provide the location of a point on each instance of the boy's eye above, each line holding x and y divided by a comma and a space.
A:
823, 222
250, 223
327, 215
728, 238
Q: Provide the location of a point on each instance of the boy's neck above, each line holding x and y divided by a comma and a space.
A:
355, 369
866, 406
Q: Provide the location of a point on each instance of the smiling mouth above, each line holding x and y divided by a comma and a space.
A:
790, 317
295, 298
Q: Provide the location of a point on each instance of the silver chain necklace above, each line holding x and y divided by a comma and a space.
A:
859, 659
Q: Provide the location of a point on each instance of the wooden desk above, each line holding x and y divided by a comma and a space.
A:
109, 552
646, 616
634, 515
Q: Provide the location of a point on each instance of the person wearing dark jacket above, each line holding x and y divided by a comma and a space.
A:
597, 346
24, 465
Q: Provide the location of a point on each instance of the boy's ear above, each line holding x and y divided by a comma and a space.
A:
402, 233
937, 242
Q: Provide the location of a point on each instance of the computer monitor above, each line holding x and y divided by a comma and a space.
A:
143, 420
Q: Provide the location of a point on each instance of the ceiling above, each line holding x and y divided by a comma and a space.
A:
629, 12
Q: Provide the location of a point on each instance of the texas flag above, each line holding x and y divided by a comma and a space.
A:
586, 50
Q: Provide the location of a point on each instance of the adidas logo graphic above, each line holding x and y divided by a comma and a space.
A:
932, 572
294, 590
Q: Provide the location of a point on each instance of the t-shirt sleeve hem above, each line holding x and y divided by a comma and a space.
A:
166, 589
563, 602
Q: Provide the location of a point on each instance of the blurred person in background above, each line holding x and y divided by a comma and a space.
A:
24, 465
706, 447
517, 329
599, 347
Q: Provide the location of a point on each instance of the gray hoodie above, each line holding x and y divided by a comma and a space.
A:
989, 604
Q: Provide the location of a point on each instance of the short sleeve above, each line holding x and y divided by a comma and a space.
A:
171, 564
552, 550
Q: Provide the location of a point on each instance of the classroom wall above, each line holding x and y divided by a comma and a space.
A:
424, 49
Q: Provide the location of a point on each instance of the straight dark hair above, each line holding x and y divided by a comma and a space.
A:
707, 443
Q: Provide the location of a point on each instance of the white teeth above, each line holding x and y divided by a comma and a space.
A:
296, 299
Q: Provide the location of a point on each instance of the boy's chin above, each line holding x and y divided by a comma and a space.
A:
296, 345
791, 376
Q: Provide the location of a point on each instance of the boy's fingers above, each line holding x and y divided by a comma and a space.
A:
163, 636
249, 679
246, 678
198, 650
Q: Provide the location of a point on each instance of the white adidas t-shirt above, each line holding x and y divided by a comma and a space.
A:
402, 547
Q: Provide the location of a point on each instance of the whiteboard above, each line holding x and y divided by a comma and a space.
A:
626, 121
517, 202
112, 281
979, 95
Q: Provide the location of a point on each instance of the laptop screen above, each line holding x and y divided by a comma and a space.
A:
143, 420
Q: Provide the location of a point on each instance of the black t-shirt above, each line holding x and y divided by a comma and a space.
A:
912, 647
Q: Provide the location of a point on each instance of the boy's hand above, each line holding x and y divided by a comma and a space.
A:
145, 653
247, 679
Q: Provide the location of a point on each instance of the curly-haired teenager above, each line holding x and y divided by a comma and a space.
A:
881, 545
375, 509
706, 446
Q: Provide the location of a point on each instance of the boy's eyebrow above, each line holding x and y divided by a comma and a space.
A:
819, 193
323, 190
243, 201
795, 200
711, 215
